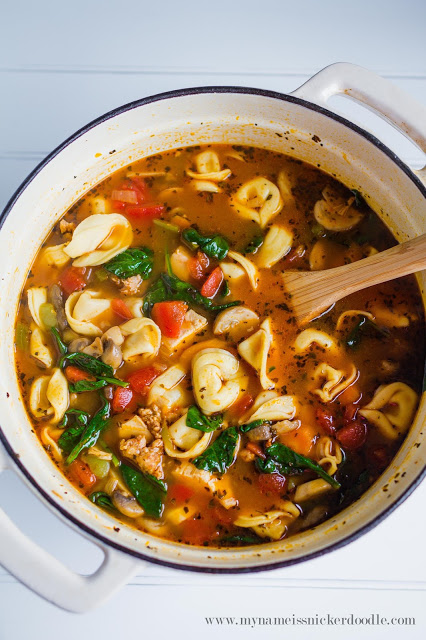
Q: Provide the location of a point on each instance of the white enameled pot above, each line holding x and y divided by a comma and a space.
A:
291, 124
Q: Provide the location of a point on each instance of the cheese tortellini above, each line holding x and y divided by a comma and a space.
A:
215, 379
259, 200
83, 307
36, 297
183, 442
55, 256
335, 213
392, 409
247, 265
335, 381
49, 397
99, 238
276, 245
39, 348
208, 168
142, 337
308, 337
235, 322
329, 454
255, 351
271, 524
274, 408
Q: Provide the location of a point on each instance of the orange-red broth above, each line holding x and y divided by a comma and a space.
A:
211, 523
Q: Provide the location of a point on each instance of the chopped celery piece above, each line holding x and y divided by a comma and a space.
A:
48, 315
22, 336
167, 226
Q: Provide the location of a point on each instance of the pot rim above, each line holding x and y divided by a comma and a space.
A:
91, 125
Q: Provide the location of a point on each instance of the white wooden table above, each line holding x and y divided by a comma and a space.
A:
63, 64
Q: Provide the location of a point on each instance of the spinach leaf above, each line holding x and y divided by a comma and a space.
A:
252, 425
219, 456
363, 328
253, 245
157, 292
197, 420
170, 287
148, 490
91, 432
215, 246
282, 459
132, 262
102, 499
87, 385
60, 345
89, 363
94, 366
70, 438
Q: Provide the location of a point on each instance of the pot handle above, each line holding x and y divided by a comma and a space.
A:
377, 94
50, 579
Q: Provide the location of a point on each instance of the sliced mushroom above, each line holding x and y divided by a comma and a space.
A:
95, 349
78, 345
127, 505
55, 294
260, 433
111, 354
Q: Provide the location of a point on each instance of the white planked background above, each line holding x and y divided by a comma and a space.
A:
62, 65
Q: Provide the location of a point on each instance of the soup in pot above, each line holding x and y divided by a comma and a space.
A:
162, 367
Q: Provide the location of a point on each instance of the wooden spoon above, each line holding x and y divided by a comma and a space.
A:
312, 292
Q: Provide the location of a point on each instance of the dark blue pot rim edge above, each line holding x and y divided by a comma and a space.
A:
111, 114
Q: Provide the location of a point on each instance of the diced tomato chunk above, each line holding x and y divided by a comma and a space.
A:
146, 212
141, 187
80, 472
180, 493
242, 405
353, 435
272, 483
213, 283
74, 374
198, 531
123, 400
73, 279
350, 413
325, 420
121, 309
141, 379
198, 265
222, 515
118, 206
169, 316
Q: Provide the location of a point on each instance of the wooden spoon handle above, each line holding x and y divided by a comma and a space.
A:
313, 292
396, 262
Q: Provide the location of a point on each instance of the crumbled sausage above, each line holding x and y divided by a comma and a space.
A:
128, 286
152, 418
66, 227
148, 457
